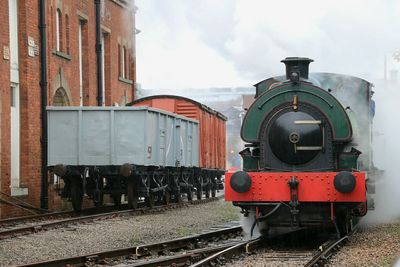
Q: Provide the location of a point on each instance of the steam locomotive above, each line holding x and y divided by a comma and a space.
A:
307, 159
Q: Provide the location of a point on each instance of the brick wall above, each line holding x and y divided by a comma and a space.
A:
4, 101
63, 71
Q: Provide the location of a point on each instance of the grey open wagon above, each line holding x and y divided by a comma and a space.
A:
136, 151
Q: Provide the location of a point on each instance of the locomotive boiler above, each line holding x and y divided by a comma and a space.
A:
307, 154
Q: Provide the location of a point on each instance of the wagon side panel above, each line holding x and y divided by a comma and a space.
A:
129, 137
63, 141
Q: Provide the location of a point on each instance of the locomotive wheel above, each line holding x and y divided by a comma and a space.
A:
344, 224
117, 199
76, 195
150, 200
132, 196
167, 197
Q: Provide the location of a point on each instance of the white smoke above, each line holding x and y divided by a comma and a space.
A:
247, 223
386, 155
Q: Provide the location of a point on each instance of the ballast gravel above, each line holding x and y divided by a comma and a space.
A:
373, 245
81, 239
377, 245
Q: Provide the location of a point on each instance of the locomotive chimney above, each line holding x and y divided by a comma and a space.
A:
297, 67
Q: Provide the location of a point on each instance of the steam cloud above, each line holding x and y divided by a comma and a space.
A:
386, 155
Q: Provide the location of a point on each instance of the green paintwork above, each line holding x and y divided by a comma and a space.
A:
305, 92
347, 162
250, 163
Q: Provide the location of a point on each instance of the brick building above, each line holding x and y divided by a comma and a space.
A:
71, 76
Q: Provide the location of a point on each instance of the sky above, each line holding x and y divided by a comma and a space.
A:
230, 43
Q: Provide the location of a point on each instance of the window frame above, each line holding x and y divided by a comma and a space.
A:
58, 30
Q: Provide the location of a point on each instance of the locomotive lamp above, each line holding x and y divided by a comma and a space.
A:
344, 182
295, 76
240, 182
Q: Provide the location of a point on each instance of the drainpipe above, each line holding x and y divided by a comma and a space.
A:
44, 195
98, 55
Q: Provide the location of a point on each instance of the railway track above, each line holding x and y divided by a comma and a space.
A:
219, 246
32, 224
273, 256
158, 254
325, 252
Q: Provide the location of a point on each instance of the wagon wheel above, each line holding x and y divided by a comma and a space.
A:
167, 197
117, 199
98, 193
207, 192
132, 196
76, 195
213, 192
178, 197
189, 193
199, 193
150, 200
98, 198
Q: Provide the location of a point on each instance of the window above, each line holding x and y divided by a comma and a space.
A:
13, 92
58, 30
127, 69
80, 63
67, 33
60, 98
119, 61
123, 66
103, 70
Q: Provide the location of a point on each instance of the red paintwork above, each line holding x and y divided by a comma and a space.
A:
313, 187
212, 135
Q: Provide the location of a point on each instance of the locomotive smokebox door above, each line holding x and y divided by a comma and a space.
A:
293, 139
